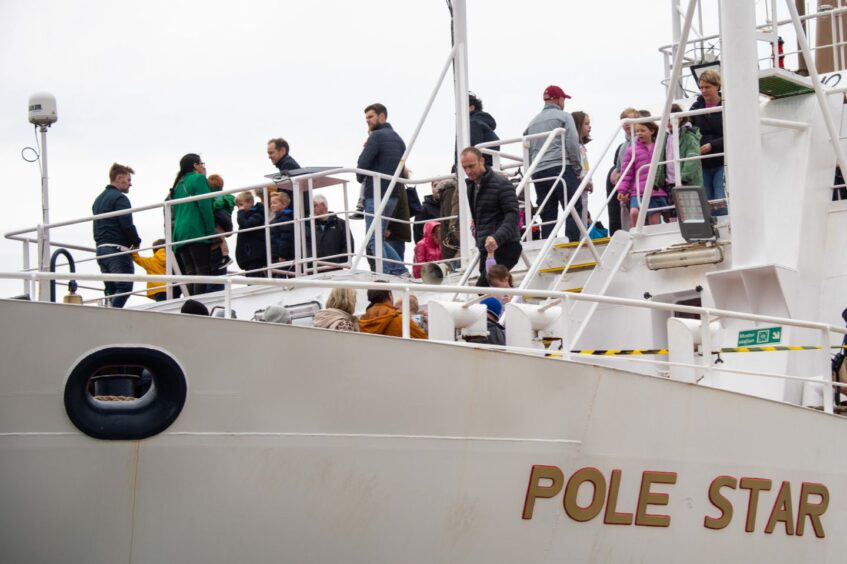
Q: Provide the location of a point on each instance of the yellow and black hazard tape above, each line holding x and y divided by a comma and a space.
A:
616, 352
773, 348
636, 352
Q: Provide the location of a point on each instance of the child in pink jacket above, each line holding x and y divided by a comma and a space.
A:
634, 182
428, 249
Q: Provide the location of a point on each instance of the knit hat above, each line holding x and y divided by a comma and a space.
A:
276, 314
494, 306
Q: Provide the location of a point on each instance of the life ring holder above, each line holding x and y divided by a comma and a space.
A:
138, 418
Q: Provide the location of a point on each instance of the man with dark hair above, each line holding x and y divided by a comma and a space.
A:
383, 318
382, 153
494, 210
551, 166
115, 234
482, 125
278, 153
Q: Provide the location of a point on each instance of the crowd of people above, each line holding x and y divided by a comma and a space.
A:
200, 227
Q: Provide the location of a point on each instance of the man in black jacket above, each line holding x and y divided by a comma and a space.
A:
330, 234
494, 209
278, 153
382, 153
115, 234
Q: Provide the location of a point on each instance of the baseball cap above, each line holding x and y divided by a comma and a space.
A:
494, 306
552, 92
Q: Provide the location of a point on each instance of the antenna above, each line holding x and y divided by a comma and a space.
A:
42, 114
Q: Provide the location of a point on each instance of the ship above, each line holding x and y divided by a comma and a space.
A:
665, 394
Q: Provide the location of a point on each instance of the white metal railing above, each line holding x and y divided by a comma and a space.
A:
707, 315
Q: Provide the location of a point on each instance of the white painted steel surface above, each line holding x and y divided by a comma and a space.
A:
285, 456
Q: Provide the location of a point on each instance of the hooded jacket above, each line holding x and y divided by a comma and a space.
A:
336, 319
382, 153
630, 182
427, 250
688, 146
483, 125
250, 248
153, 265
282, 235
286, 163
385, 319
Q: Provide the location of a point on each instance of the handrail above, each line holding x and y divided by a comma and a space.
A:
706, 314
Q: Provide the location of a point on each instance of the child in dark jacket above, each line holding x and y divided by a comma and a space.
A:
282, 230
250, 249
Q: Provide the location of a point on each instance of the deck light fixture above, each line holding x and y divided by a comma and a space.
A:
696, 223
697, 227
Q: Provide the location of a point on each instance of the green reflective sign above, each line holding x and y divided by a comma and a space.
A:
759, 336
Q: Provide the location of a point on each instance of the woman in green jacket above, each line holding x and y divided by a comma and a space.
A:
192, 220
688, 147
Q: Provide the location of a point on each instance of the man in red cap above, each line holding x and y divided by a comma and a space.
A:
552, 175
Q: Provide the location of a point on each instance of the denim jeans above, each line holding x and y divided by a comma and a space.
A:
115, 265
713, 182
387, 251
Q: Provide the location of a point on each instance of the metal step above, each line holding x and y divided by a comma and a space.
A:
573, 268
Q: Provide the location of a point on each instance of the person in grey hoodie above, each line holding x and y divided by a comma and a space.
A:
549, 168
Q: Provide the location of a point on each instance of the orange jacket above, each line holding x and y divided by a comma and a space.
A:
385, 319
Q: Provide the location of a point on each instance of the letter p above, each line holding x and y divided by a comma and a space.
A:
536, 489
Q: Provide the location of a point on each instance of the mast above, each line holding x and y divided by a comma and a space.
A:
742, 131
463, 133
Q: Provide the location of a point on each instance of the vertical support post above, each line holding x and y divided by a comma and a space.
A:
706, 346
347, 234
170, 259
677, 165
463, 126
44, 229
826, 365
228, 298
742, 131
27, 282
314, 249
376, 224
266, 208
407, 332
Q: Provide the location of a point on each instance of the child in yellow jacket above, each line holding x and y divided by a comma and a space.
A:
154, 265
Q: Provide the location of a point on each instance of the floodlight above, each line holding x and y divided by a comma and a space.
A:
696, 223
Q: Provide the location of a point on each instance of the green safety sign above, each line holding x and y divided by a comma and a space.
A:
759, 336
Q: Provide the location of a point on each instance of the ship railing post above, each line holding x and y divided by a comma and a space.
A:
314, 246
376, 223
169, 251
299, 267
347, 233
267, 208
826, 364
28, 288
706, 346
43, 250
406, 329
228, 298
566, 327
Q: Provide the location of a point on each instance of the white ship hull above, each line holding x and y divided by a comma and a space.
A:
301, 445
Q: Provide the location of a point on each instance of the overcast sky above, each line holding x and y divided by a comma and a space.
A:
144, 83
